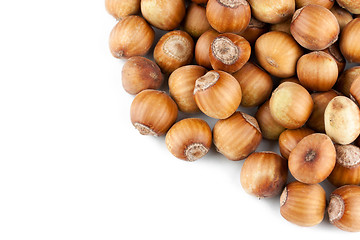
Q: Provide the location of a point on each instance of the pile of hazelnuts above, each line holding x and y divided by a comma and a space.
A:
244, 50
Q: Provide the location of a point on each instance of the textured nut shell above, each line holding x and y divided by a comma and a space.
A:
131, 36
303, 204
277, 53
342, 120
122, 8
291, 105
233, 19
317, 71
290, 138
355, 90
270, 128
221, 99
254, 30
153, 112
140, 73
165, 15
202, 48
237, 136
324, 3
349, 41
347, 167
344, 208
195, 22
321, 100
256, 85
174, 49
181, 87
264, 174
352, 6
343, 16
187, 133
313, 159
243, 50
335, 53
346, 79
272, 11
282, 27
306, 30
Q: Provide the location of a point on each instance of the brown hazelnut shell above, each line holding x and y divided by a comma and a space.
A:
232, 16
343, 208
131, 36
256, 85
217, 94
182, 84
174, 49
290, 138
149, 120
303, 204
189, 139
314, 27
140, 73
313, 159
264, 174
237, 136
165, 15
229, 52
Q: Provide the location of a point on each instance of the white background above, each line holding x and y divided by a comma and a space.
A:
73, 167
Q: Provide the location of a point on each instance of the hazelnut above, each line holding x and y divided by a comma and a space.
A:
282, 27
314, 27
182, 84
149, 120
195, 22
229, 52
165, 15
352, 6
270, 128
321, 100
256, 85
254, 30
140, 73
313, 159
343, 208
272, 11
343, 16
347, 167
264, 174
202, 48
277, 53
317, 71
290, 138
349, 41
189, 139
342, 120
335, 53
324, 3
291, 105
355, 90
346, 79
217, 94
131, 36
237, 136
231, 16
303, 204
122, 8
174, 49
